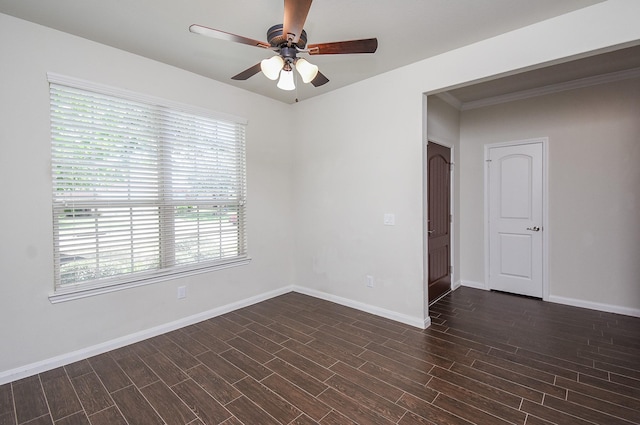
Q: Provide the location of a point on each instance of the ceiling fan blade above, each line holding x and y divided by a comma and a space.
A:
319, 80
295, 14
247, 73
368, 45
227, 36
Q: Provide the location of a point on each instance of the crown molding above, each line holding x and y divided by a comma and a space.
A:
553, 88
450, 99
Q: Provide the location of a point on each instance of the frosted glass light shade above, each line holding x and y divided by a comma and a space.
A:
271, 67
307, 71
286, 80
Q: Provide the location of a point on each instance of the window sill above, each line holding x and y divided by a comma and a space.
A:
71, 294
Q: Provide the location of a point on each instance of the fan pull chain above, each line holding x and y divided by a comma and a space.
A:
295, 81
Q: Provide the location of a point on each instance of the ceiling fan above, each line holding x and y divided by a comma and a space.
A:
288, 40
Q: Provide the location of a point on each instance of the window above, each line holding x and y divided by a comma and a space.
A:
142, 189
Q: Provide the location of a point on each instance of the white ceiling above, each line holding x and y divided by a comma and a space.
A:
573, 73
407, 31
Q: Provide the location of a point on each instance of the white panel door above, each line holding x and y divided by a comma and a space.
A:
515, 218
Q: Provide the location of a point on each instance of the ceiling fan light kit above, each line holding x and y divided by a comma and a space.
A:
286, 80
307, 71
271, 67
287, 40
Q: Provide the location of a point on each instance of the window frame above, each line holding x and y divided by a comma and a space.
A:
135, 279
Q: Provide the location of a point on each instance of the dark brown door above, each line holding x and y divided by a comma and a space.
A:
438, 207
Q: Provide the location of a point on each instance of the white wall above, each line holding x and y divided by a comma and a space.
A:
594, 189
362, 156
31, 328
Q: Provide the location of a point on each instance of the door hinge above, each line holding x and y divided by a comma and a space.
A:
450, 269
450, 218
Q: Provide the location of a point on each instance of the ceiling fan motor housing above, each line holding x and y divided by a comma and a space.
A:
277, 38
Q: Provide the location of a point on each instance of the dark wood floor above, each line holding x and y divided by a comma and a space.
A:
488, 358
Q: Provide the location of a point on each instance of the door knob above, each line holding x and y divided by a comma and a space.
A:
534, 229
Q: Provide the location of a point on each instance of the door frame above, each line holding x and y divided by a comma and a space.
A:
455, 284
545, 209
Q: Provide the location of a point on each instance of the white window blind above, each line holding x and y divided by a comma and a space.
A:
142, 190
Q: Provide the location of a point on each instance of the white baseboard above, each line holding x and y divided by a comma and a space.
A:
595, 306
571, 301
472, 284
67, 358
609, 308
398, 317
455, 285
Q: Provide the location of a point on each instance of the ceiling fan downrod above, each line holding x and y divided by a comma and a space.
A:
278, 39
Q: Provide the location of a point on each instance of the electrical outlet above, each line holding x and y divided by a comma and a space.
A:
370, 282
182, 292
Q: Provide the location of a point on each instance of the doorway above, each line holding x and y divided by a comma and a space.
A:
438, 221
515, 206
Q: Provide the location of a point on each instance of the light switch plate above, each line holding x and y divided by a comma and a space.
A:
389, 219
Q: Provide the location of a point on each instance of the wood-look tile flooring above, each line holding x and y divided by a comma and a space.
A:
488, 358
